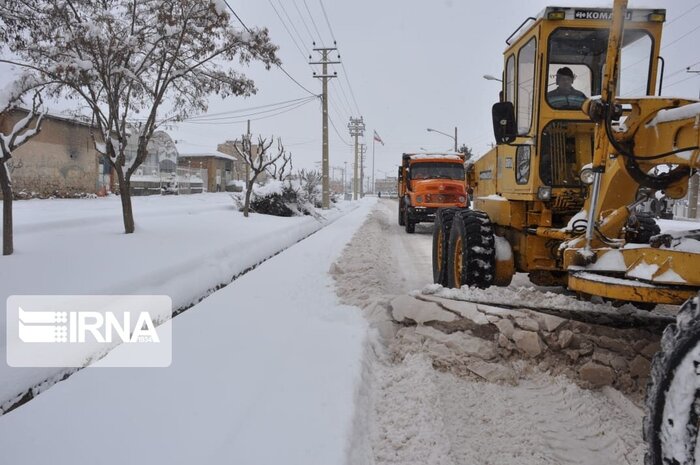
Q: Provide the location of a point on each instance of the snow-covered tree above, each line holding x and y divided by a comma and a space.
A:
259, 162
135, 64
20, 132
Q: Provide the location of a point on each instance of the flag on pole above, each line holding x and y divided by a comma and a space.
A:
377, 138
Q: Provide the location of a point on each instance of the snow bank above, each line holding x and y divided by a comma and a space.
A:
184, 246
264, 371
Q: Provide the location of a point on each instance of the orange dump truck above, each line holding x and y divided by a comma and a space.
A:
428, 181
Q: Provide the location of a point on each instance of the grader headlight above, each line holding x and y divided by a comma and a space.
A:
587, 175
544, 193
557, 15
657, 17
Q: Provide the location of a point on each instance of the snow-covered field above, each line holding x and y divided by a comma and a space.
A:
183, 247
264, 371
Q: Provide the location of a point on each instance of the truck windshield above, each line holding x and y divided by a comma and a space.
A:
577, 59
437, 171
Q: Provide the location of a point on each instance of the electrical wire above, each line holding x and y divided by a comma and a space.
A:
306, 5
278, 65
299, 105
242, 110
208, 118
342, 64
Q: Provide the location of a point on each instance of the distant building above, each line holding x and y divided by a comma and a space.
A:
386, 185
60, 161
219, 167
241, 170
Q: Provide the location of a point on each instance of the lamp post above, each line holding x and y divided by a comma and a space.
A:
445, 134
489, 77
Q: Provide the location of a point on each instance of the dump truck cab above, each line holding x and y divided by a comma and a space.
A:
428, 181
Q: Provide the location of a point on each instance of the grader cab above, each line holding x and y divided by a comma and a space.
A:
582, 139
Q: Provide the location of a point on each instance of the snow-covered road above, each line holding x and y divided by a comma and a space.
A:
419, 415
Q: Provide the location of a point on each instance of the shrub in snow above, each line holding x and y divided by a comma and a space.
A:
293, 197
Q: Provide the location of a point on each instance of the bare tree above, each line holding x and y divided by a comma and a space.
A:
259, 162
135, 64
21, 132
284, 170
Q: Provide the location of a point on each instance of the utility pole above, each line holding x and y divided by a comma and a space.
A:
363, 149
345, 179
324, 76
357, 129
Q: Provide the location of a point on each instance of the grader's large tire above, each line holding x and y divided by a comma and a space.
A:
671, 421
441, 237
645, 228
471, 259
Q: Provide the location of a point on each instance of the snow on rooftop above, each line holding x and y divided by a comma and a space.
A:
203, 154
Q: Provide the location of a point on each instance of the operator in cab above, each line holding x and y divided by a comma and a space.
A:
565, 97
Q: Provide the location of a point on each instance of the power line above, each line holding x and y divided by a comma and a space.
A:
678, 82
345, 71
241, 110
330, 120
299, 105
301, 16
208, 118
682, 14
312, 21
328, 23
278, 65
291, 23
681, 37
289, 32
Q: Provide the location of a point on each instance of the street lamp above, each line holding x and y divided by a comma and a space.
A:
489, 77
445, 134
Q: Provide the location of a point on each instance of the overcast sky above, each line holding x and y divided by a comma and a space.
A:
412, 65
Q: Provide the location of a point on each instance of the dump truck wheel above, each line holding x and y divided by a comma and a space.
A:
441, 237
643, 228
408, 223
471, 259
671, 420
401, 218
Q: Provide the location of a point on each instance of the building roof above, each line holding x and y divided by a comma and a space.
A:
205, 154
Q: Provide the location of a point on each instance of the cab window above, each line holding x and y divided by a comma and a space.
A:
510, 80
577, 61
437, 171
526, 86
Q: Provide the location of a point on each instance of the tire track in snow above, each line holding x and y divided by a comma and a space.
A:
419, 415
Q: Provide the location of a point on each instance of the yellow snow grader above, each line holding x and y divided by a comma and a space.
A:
584, 137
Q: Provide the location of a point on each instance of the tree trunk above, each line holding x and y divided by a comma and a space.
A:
125, 196
246, 205
6, 184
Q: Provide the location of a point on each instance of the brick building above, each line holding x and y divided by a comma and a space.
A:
61, 160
